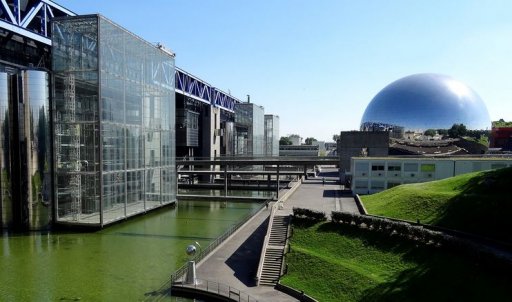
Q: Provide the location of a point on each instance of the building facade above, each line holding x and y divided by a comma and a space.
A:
302, 150
114, 122
374, 174
249, 130
271, 135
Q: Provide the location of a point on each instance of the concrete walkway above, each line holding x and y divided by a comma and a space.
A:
235, 262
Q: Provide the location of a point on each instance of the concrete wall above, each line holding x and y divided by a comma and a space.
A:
371, 175
354, 143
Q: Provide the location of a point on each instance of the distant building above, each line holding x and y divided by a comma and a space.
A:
271, 135
302, 150
501, 138
296, 140
321, 145
361, 143
249, 137
374, 174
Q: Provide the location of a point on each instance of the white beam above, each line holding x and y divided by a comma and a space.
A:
25, 33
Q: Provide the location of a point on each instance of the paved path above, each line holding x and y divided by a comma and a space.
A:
235, 262
321, 193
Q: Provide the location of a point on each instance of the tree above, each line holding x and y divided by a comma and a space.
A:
457, 130
335, 137
285, 141
430, 132
310, 140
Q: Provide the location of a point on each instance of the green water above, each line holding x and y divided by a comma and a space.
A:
124, 262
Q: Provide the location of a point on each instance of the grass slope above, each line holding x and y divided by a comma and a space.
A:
339, 263
479, 203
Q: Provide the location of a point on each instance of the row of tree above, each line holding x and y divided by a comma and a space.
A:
287, 140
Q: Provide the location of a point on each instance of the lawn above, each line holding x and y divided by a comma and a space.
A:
340, 263
478, 203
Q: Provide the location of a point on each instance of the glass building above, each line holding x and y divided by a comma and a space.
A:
114, 122
271, 135
250, 130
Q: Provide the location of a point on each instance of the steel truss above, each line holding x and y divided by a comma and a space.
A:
31, 18
191, 86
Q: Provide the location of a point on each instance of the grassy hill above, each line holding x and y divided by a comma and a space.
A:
339, 263
479, 203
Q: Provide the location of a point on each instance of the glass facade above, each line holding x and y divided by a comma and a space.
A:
250, 125
25, 152
114, 116
271, 135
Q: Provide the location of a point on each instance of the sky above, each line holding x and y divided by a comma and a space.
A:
317, 64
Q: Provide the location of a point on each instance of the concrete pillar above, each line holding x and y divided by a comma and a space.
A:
226, 179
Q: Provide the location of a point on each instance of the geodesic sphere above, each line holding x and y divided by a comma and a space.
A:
426, 101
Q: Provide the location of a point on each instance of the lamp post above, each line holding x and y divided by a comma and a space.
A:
190, 278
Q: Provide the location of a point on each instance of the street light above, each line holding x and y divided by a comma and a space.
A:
190, 278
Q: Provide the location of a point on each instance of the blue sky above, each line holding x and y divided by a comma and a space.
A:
317, 64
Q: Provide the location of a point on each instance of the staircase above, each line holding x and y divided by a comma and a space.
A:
274, 254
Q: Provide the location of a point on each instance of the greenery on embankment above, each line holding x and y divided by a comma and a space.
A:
478, 203
341, 263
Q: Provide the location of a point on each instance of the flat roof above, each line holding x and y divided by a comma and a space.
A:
485, 158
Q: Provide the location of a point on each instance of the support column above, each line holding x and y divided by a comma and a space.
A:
277, 181
226, 179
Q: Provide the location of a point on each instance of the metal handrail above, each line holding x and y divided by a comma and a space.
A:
265, 243
219, 289
181, 271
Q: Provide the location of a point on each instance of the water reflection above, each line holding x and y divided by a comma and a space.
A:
122, 262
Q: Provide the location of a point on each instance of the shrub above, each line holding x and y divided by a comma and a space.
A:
302, 213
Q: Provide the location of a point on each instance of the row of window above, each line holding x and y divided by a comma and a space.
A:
395, 167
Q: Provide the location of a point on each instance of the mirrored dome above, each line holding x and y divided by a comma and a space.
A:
425, 101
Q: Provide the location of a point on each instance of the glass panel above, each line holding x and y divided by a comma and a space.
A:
75, 107
135, 130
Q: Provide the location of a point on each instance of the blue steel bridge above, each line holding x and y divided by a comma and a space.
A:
28, 22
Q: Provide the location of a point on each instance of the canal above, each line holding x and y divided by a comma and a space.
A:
124, 262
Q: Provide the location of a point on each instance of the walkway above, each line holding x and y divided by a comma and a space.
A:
235, 262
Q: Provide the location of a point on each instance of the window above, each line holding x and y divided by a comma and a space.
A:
428, 167
377, 167
394, 167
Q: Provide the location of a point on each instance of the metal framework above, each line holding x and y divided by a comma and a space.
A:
193, 87
31, 18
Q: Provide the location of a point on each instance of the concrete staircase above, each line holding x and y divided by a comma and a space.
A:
272, 265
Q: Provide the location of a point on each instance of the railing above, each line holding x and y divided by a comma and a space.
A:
180, 272
217, 288
265, 243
